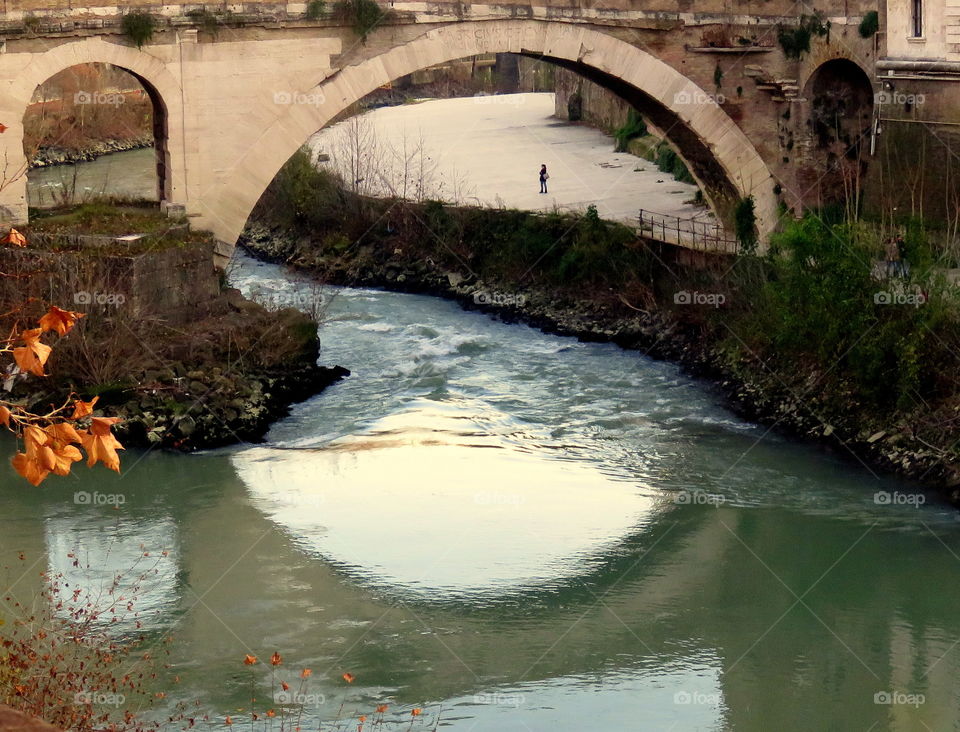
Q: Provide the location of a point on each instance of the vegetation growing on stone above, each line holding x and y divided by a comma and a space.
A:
870, 24
668, 161
634, 127
745, 224
207, 21
315, 9
795, 40
139, 27
363, 16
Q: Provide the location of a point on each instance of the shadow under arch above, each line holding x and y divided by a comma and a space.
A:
718, 152
160, 85
837, 116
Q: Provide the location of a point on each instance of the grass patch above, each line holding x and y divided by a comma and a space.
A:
110, 219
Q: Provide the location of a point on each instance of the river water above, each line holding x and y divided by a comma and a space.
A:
512, 531
519, 532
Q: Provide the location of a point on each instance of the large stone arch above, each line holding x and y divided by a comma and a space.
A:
721, 154
160, 84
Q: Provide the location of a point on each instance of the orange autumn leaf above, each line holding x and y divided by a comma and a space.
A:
15, 238
62, 321
416, 712
249, 660
33, 439
349, 678
362, 718
382, 708
101, 445
64, 457
285, 686
305, 673
84, 409
52, 447
29, 468
228, 721
63, 433
276, 659
271, 713
32, 356
5, 415
38, 460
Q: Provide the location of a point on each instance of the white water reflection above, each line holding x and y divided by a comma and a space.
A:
688, 697
429, 501
127, 574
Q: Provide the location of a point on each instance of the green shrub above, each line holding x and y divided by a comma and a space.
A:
870, 24
304, 195
795, 40
315, 9
206, 20
745, 224
362, 15
139, 27
634, 127
822, 309
668, 161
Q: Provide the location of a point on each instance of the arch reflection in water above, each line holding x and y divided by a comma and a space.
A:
425, 503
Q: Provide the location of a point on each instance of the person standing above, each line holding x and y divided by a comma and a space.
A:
543, 178
903, 266
892, 253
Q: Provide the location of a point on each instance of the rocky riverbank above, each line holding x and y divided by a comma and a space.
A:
184, 361
53, 155
189, 410
217, 398
752, 390
190, 407
221, 379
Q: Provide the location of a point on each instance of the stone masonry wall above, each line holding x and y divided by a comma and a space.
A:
704, 9
175, 284
599, 107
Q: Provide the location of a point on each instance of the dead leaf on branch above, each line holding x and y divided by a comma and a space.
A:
84, 409
52, 449
33, 355
61, 321
15, 238
100, 444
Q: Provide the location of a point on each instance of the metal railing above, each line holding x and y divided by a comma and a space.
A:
708, 236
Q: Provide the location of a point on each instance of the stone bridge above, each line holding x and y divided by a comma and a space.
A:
233, 102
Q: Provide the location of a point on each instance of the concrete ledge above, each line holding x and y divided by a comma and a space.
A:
932, 66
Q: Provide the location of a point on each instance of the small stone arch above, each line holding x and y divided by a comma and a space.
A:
159, 83
718, 149
838, 114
